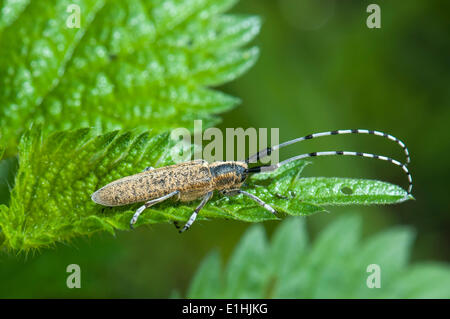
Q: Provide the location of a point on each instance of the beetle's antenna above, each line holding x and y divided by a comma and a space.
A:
261, 154
270, 168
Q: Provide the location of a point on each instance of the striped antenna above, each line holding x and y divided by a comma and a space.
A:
269, 168
261, 154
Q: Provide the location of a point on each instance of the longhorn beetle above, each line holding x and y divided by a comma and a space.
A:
198, 179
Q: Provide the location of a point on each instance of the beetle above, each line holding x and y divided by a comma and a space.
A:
196, 179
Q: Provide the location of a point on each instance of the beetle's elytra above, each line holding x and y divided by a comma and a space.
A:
191, 179
199, 179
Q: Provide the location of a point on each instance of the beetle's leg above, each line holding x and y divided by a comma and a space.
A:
148, 204
175, 223
194, 214
148, 168
260, 202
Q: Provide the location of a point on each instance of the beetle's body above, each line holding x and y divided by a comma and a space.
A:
199, 179
192, 180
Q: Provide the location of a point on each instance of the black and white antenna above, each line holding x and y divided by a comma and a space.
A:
269, 150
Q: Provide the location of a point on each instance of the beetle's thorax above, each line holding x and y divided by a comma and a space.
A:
228, 175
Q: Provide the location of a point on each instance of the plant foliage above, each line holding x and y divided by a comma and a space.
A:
144, 66
333, 266
131, 64
51, 199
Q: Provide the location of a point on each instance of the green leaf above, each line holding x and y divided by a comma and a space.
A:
344, 191
289, 246
10, 11
334, 266
244, 276
425, 280
131, 64
335, 244
51, 200
208, 283
390, 250
286, 175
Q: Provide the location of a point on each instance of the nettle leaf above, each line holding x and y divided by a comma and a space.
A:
131, 64
334, 266
208, 278
51, 199
244, 276
344, 191
426, 280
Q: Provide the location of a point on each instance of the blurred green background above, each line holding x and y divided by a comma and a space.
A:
320, 69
